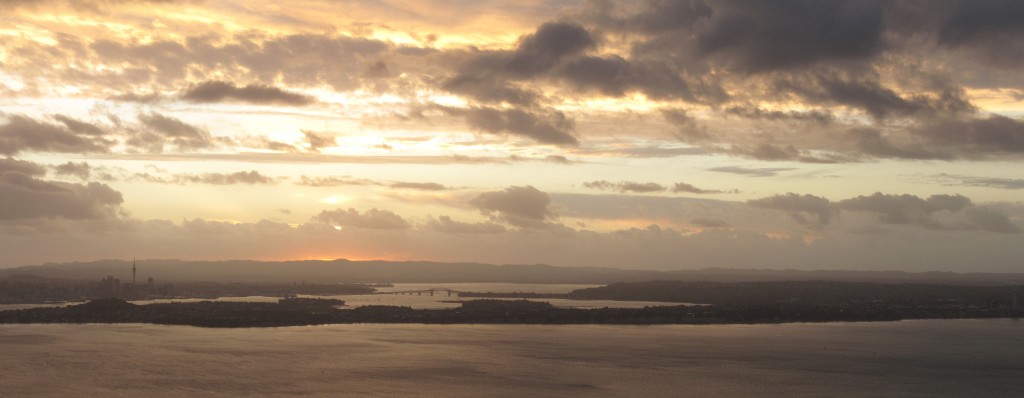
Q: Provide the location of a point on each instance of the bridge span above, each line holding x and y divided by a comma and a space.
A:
437, 290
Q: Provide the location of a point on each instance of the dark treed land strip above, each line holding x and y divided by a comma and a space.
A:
807, 292
320, 312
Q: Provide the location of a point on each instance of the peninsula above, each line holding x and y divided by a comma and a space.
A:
297, 312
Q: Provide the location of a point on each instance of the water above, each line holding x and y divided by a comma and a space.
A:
906, 358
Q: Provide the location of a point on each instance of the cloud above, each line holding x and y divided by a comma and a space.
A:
333, 181
995, 134
522, 206
680, 187
21, 134
220, 91
543, 49
689, 129
988, 28
24, 197
798, 205
11, 165
709, 223
816, 116
318, 140
751, 171
756, 36
972, 181
159, 129
251, 177
991, 220
370, 219
423, 186
296, 59
82, 170
625, 186
906, 209
872, 142
552, 128
447, 225
939, 212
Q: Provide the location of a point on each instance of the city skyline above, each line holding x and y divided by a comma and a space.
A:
650, 135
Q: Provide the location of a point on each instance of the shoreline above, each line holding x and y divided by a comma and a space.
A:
309, 312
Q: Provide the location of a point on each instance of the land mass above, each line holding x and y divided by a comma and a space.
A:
345, 271
763, 302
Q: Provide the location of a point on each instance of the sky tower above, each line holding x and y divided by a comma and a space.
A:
133, 271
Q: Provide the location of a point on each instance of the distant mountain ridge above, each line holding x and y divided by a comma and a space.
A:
341, 270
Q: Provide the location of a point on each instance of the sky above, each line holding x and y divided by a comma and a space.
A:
862, 135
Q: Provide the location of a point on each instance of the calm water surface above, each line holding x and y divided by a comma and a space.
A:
956, 358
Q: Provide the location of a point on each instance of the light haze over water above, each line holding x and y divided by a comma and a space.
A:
907, 358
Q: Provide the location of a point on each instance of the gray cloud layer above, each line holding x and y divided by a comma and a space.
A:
522, 206
219, 91
370, 219
934, 212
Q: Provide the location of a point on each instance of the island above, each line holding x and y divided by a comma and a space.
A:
312, 311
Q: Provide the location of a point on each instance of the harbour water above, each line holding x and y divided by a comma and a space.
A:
953, 358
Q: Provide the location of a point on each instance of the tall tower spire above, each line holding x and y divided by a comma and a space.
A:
133, 270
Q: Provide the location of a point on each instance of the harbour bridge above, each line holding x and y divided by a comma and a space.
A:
432, 291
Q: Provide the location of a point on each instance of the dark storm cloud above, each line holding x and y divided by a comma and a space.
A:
757, 36
522, 206
868, 94
615, 76
991, 135
753, 36
25, 197
220, 91
542, 50
486, 76
370, 219
445, 224
489, 90
23, 134
991, 28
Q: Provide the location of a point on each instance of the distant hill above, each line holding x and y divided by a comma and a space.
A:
436, 272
